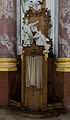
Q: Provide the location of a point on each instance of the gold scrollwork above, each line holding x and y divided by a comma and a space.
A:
22, 55
45, 55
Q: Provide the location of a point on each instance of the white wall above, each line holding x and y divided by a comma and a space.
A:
18, 19
52, 5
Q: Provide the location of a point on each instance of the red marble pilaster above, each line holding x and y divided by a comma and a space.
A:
64, 29
64, 47
7, 44
7, 28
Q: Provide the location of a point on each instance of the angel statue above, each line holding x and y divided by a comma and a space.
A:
41, 40
28, 29
25, 6
36, 4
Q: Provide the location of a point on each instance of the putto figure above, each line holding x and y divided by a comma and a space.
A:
35, 4
31, 34
41, 40
28, 29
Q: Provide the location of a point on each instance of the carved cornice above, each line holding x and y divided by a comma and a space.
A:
34, 50
8, 64
33, 12
63, 64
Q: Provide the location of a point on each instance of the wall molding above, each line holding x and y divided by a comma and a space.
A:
53, 6
8, 64
18, 19
63, 64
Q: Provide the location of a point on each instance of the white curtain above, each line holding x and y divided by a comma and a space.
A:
34, 71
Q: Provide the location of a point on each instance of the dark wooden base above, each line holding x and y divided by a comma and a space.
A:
53, 110
38, 114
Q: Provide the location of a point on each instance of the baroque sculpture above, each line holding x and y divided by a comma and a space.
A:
30, 32
35, 81
35, 4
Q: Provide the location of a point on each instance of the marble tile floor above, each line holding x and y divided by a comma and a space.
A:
6, 114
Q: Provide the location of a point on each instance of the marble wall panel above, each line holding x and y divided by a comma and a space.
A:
7, 28
64, 28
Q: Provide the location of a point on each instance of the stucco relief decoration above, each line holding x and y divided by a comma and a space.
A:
64, 28
7, 8
7, 29
27, 4
8, 44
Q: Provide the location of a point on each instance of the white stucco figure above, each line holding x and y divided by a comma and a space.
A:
36, 4
28, 29
28, 37
26, 6
46, 46
41, 40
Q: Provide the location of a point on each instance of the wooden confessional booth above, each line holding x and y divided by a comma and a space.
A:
35, 87
34, 66
34, 78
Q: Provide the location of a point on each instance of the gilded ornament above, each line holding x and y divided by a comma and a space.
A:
22, 55
45, 55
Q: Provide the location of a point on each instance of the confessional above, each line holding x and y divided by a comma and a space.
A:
34, 66
36, 75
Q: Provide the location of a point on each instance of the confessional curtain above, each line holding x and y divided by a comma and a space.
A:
34, 71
